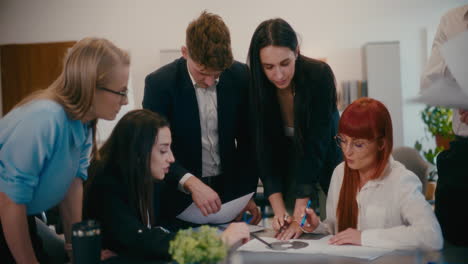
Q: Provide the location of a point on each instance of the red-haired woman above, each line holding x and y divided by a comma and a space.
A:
374, 200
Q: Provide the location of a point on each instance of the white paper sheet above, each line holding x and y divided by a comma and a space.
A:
255, 228
455, 53
226, 214
448, 92
320, 246
443, 92
252, 228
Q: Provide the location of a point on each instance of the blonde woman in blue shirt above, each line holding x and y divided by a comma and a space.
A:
46, 142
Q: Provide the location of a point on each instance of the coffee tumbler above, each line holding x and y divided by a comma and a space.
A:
86, 241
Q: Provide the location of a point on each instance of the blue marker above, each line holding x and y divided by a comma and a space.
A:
305, 215
246, 218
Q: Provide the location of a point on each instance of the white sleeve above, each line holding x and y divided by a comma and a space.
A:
436, 66
421, 228
182, 181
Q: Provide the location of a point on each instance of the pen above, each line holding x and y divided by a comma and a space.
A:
246, 218
305, 215
261, 240
285, 218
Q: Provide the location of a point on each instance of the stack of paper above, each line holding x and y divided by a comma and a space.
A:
320, 246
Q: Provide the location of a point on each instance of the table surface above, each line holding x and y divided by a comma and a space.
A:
450, 254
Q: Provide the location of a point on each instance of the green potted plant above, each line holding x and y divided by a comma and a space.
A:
203, 246
438, 121
430, 155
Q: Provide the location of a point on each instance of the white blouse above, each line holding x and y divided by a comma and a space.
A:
393, 213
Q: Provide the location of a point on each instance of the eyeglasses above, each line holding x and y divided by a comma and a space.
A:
121, 93
357, 145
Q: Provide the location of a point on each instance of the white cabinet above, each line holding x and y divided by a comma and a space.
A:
382, 71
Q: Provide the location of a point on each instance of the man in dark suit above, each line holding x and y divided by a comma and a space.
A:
204, 96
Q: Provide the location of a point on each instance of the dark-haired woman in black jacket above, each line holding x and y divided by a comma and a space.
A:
293, 102
120, 193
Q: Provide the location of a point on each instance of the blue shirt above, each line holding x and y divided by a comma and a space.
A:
41, 151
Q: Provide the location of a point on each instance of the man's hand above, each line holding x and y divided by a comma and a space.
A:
463, 115
252, 208
205, 198
350, 236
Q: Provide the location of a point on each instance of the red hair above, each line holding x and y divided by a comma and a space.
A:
369, 119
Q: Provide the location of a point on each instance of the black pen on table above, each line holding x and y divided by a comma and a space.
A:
261, 240
252, 235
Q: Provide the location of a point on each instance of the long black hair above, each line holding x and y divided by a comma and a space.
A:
126, 157
263, 98
264, 105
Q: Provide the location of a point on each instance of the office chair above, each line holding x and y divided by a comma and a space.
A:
413, 161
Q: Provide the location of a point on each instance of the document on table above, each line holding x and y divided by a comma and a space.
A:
448, 92
252, 228
226, 214
320, 246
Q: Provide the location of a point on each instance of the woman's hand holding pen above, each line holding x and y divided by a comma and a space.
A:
292, 228
290, 231
312, 220
280, 221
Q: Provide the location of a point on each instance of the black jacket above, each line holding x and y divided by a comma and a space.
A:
106, 200
315, 94
170, 92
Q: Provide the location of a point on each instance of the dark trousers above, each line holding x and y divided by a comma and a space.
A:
7, 257
451, 197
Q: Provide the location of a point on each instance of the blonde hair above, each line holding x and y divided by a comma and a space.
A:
87, 66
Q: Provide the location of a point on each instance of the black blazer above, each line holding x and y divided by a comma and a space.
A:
123, 231
170, 92
315, 94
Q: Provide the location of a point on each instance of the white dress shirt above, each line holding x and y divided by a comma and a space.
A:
451, 24
208, 111
392, 212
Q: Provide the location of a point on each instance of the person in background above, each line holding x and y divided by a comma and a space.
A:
46, 141
374, 200
293, 103
203, 94
121, 195
452, 183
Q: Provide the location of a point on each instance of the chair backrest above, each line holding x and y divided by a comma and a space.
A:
413, 161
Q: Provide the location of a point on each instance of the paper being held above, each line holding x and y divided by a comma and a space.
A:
227, 213
443, 92
455, 53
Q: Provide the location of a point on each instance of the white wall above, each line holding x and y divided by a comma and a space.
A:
335, 29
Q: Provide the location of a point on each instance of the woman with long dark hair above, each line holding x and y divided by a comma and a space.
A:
46, 141
293, 103
120, 193
374, 200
